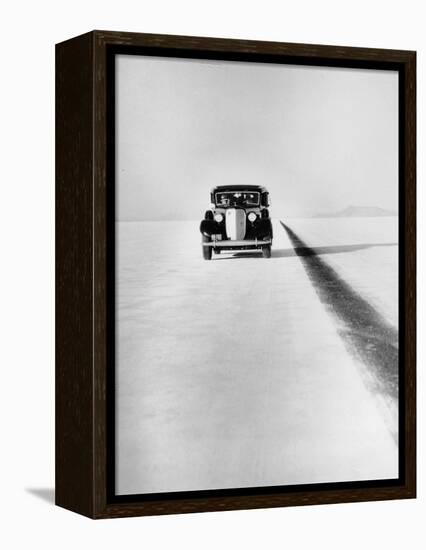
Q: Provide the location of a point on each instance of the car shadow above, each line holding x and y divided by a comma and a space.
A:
302, 251
320, 250
237, 255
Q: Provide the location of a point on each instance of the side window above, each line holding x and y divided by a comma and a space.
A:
265, 199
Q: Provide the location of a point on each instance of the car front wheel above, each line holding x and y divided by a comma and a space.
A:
207, 250
266, 251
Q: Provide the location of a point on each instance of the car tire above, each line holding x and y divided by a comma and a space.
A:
207, 250
266, 251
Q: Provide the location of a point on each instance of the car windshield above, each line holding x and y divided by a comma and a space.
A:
237, 199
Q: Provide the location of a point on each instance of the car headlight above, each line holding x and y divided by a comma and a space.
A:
218, 217
252, 216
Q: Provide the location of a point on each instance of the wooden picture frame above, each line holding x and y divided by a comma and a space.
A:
85, 264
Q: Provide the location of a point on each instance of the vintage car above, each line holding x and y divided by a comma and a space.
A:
237, 220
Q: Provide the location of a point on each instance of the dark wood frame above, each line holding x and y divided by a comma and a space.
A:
85, 262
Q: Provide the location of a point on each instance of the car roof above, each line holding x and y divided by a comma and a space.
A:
223, 188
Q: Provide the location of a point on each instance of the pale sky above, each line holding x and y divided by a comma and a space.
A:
319, 139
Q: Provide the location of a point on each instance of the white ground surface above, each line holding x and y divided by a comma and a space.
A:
372, 271
231, 373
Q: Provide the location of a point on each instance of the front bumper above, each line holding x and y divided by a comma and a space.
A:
226, 243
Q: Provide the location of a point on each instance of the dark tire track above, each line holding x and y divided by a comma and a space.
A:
367, 335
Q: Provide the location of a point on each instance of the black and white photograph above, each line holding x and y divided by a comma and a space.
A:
212, 270
256, 274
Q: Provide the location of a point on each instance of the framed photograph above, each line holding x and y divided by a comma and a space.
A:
235, 281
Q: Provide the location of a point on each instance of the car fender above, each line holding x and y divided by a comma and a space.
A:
263, 227
209, 227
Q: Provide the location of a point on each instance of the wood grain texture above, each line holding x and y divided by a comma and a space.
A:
74, 276
84, 161
229, 46
103, 264
222, 504
409, 182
